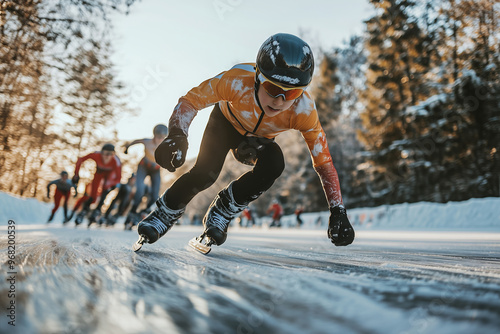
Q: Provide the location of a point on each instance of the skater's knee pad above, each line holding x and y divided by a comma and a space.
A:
270, 162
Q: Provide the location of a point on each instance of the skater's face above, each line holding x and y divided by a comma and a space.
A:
107, 156
272, 106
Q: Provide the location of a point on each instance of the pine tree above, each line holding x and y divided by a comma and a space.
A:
89, 98
396, 79
38, 41
448, 148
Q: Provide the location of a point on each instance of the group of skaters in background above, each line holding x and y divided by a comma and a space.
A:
130, 194
107, 178
272, 217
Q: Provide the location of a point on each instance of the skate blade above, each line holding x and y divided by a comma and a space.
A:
198, 245
138, 244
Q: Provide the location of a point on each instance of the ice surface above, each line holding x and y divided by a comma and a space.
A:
406, 277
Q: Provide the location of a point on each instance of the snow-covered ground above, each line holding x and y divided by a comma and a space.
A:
418, 268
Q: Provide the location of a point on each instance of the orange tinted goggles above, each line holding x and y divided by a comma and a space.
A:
274, 90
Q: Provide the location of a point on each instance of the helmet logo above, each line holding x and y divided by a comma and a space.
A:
284, 78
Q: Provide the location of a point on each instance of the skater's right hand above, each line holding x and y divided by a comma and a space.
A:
171, 153
340, 230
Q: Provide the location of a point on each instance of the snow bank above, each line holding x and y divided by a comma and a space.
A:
476, 213
25, 210
473, 214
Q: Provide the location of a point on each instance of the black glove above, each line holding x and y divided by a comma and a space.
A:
340, 230
171, 153
75, 179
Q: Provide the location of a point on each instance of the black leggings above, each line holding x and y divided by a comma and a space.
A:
219, 138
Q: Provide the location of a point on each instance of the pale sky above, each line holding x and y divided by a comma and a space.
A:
164, 48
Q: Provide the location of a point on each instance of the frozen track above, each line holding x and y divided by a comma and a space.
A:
261, 281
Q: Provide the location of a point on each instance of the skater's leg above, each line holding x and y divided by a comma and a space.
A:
65, 205
57, 201
155, 186
87, 203
94, 187
104, 194
80, 202
124, 202
268, 167
139, 186
268, 163
111, 207
218, 139
223, 209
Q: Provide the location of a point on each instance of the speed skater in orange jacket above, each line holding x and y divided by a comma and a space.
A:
253, 103
107, 175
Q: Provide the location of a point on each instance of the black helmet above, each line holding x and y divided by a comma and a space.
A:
286, 59
108, 147
160, 130
63, 173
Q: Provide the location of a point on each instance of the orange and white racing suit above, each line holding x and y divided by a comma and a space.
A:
238, 121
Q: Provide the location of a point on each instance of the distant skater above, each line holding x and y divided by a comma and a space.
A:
122, 199
107, 175
63, 190
298, 213
147, 167
277, 212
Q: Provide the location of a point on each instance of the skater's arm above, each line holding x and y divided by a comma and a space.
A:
340, 230
48, 187
208, 93
74, 187
322, 161
171, 153
137, 141
331, 185
81, 160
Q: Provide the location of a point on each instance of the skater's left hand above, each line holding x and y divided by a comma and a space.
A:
340, 230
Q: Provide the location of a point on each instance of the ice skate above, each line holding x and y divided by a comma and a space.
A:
69, 217
103, 221
216, 221
80, 216
156, 224
93, 217
110, 221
